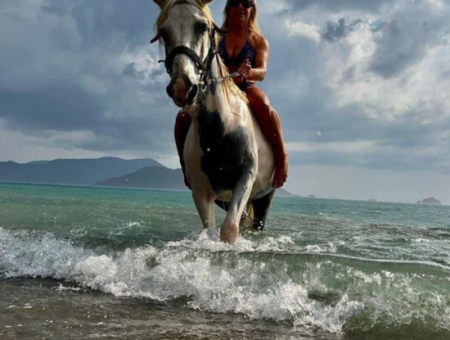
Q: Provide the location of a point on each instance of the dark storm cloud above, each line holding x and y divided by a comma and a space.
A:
401, 41
71, 109
102, 19
340, 29
385, 159
64, 70
401, 44
62, 107
403, 145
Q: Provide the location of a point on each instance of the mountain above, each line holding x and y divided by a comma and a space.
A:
107, 171
159, 178
71, 171
149, 178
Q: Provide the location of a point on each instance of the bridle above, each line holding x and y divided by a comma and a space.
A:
204, 66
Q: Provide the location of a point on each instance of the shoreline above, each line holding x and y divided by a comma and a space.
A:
36, 308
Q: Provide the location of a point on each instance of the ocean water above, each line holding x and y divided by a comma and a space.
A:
82, 263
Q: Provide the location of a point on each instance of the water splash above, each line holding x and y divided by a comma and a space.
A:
261, 279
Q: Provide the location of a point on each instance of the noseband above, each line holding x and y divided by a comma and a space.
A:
204, 66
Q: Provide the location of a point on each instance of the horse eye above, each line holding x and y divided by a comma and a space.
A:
163, 33
201, 27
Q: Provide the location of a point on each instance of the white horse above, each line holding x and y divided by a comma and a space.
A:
227, 157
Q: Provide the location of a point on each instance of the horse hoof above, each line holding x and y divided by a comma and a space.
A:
229, 233
258, 226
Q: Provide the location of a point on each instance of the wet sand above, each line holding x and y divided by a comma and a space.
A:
41, 309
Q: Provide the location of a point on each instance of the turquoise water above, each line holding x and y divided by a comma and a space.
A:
323, 268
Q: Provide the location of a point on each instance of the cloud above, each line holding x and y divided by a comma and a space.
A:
339, 147
371, 76
408, 36
22, 147
334, 87
301, 29
84, 66
337, 5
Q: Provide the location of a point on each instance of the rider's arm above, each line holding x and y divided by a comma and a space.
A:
261, 59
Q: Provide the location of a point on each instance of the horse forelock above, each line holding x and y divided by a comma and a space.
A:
164, 14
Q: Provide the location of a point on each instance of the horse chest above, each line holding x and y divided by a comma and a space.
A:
225, 157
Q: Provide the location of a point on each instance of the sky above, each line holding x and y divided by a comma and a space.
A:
361, 87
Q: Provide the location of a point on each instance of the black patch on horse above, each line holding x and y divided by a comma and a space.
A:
226, 158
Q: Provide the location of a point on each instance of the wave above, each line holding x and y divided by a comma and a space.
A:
258, 279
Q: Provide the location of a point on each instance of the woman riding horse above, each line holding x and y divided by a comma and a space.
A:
227, 157
244, 50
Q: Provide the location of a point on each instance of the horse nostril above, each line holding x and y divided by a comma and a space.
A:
192, 94
169, 90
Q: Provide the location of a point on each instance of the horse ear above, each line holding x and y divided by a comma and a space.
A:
206, 2
160, 3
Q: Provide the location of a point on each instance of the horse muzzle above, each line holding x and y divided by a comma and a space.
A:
182, 91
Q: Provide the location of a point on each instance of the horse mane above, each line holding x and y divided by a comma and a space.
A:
228, 84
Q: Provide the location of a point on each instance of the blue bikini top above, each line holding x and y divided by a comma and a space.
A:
247, 52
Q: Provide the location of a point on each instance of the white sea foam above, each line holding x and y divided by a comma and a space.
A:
214, 276
209, 240
62, 288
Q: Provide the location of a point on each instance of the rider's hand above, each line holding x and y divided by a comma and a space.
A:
245, 69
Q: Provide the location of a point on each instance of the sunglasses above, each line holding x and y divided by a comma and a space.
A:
245, 3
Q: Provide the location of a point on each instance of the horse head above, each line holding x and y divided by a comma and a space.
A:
184, 27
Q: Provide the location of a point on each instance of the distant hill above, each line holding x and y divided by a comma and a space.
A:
159, 178
149, 178
107, 171
71, 171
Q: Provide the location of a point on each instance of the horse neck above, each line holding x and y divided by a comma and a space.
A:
215, 101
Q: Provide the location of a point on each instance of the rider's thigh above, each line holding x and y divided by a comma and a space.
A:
259, 102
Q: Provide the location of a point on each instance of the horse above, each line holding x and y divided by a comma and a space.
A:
227, 158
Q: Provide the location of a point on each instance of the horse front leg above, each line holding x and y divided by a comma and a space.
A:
204, 202
229, 232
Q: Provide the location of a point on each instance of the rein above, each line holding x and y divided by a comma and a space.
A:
204, 66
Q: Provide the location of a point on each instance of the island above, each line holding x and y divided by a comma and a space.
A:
430, 200
284, 193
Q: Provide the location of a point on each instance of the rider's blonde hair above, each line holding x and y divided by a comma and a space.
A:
253, 25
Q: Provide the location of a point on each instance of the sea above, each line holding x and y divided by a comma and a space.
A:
104, 263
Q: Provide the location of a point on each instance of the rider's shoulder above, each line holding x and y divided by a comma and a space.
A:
258, 40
